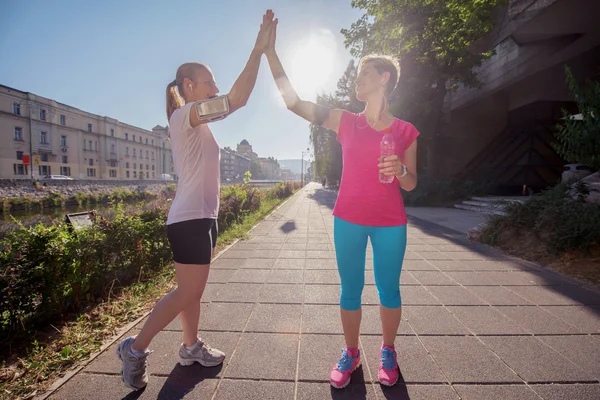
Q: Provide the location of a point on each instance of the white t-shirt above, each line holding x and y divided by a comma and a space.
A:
196, 156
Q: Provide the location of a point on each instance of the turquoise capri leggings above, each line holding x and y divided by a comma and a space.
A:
389, 246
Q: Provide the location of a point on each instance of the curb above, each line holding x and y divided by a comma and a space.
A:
123, 331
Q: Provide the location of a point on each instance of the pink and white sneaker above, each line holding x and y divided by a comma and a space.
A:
342, 371
388, 369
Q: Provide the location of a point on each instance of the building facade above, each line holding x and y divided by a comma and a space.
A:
63, 140
245, 148
269, 167
233, 165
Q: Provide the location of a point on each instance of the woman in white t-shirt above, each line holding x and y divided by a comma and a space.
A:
192, 220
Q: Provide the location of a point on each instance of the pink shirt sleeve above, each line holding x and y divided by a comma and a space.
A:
347, 123
411, 134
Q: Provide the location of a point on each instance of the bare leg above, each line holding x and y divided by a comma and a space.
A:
351, 325
191, 280
390, 321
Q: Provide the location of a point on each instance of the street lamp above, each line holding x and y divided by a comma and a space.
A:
302, 168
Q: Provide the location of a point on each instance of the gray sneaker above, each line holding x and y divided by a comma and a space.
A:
135, 368
200, 353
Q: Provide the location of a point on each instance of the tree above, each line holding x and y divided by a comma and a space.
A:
327, 150
436, 43
579, 138
256, 170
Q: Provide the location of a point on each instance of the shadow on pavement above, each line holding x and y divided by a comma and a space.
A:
183, 380
288, 227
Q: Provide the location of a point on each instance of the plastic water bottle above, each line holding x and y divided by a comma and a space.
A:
387, 149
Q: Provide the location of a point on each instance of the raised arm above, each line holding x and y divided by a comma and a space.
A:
314, 113
240, 92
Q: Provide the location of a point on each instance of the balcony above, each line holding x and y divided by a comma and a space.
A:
64, 148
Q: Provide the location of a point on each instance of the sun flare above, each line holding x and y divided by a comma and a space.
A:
312, 63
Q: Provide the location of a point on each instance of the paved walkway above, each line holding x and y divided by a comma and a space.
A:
477, 324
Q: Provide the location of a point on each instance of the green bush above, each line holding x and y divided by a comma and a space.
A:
49, 271
559, 217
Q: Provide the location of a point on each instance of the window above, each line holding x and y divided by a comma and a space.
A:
140, 139
65, 160
146, 140
113, 163
89, 129
147, 154
42, 114
44, 157
16, 109
44, 170
152, 142
134, 138
112, 132
90, 143
18, 133
91, 162
19, 155
44, 137
153, 168
141, 166
152, 156
66, 171
126, 165
112, 149
96, 144
126, 136
63, 141
134, 165
20, 169
91, 172
127, 174
63, 120
147, 175
147, 167
153, 176
134, 152
112, 173
135, 174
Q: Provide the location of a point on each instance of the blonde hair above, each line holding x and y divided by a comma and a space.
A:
175, 88
383, 63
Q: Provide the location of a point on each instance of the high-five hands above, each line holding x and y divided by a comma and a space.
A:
265, 32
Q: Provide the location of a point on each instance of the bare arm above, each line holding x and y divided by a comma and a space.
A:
243, 86
314, 113
409, 181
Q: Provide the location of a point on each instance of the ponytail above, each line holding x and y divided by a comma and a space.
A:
174, 100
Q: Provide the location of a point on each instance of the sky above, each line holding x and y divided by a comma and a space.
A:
115, 58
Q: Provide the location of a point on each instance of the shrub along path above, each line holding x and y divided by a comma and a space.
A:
476, 323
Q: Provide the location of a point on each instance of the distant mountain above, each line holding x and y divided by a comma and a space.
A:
293, 165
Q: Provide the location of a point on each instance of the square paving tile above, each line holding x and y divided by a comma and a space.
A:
224, 263
455, 295
240, 292
581, 350
322, 294
260, 349
313, 391
452, 265
211, 291
418, 265
285, 276
257, 263
111, 387
293, 246
486, 320
263, 390
289, 263
435, 255
321, 319
292, 254
220, 275
320, 254
586, 319
568, 392
415, 364
281, 293
548, 295
319, 246
417, 295
534, 361
536, 320
250, 276
464, 359
321, 263
321, 277
223, 316
276, 318
433, 278
433, 320
405, 279
496, 392
498, 296
416, 392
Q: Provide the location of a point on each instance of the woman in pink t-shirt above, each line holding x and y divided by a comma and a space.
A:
365, 207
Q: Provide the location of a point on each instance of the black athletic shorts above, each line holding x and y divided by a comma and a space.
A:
192, 241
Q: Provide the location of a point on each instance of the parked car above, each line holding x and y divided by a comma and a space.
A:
57, 178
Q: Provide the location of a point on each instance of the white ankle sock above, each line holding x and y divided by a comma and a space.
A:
137, 353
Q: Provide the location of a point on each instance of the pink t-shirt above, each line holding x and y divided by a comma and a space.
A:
362, 199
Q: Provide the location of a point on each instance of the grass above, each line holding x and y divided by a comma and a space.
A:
32, 367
